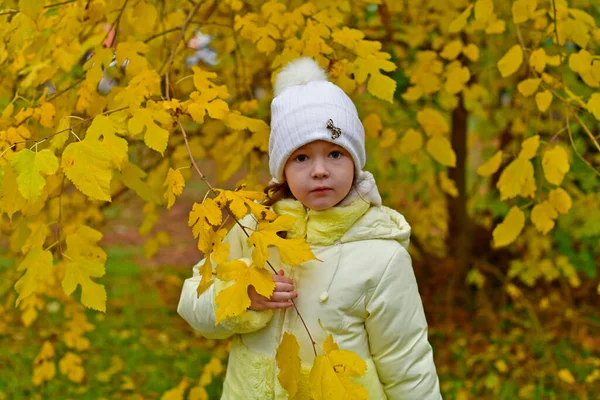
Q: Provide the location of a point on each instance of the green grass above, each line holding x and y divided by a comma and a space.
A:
141, 326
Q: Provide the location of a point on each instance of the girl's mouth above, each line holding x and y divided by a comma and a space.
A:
321, 190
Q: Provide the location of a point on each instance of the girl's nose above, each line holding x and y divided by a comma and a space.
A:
320, 169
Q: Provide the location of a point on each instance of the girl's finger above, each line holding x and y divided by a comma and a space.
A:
278, 304
283, 296
285, 279
283, 287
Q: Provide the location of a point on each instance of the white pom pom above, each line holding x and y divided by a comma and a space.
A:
299, 72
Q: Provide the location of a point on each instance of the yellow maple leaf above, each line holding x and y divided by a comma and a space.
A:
103, 126
29, 167
379, 85
331, 373
37, 266
456, 78
543, 216
204, 102
88, 165
240, 201
560, 200
593, 105
11, 199
543, 100
372, 125
515, 177
522, 10
538, 60
85, 260
134, 178
289, 364
581, 62
555, 164
411, 141
46, 113
508, 230
471, 51
388, 138
566, 376
441, 150
511, 61
433, 122
484, 10
71, 366
452, 50
528, 87
490, 166
459, 23
175, 184
207, 211
155, 136
234, 300
293, 251
529, 147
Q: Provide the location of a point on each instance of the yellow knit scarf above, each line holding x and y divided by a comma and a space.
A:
321, 228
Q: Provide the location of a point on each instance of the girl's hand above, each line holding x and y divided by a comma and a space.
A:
281, 298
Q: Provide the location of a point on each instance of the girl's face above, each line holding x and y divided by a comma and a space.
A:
319, 174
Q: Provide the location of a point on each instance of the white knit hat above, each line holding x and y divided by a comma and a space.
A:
307, 107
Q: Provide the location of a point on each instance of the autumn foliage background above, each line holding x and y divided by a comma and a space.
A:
482, 129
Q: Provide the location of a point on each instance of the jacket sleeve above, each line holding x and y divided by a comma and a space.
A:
397, 331
199, 312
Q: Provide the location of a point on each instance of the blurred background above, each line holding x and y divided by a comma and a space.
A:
481, 122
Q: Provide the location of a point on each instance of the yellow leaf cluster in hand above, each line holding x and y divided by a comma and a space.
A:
331, 373
293, 251
205, 218
85, 260
234, 300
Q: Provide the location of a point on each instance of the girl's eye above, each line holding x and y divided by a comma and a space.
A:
335, 154
301, 158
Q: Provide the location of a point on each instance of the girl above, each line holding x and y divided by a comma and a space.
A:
362, 288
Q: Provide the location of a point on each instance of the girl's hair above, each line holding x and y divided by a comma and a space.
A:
276, 192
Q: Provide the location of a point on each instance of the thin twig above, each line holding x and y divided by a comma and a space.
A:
586, 162
176, 45
115, 25
586, 129
60, 4
160, 34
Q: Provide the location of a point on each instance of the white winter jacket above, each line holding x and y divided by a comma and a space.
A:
363, 291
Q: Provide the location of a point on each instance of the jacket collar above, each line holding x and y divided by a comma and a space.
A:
323, 227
